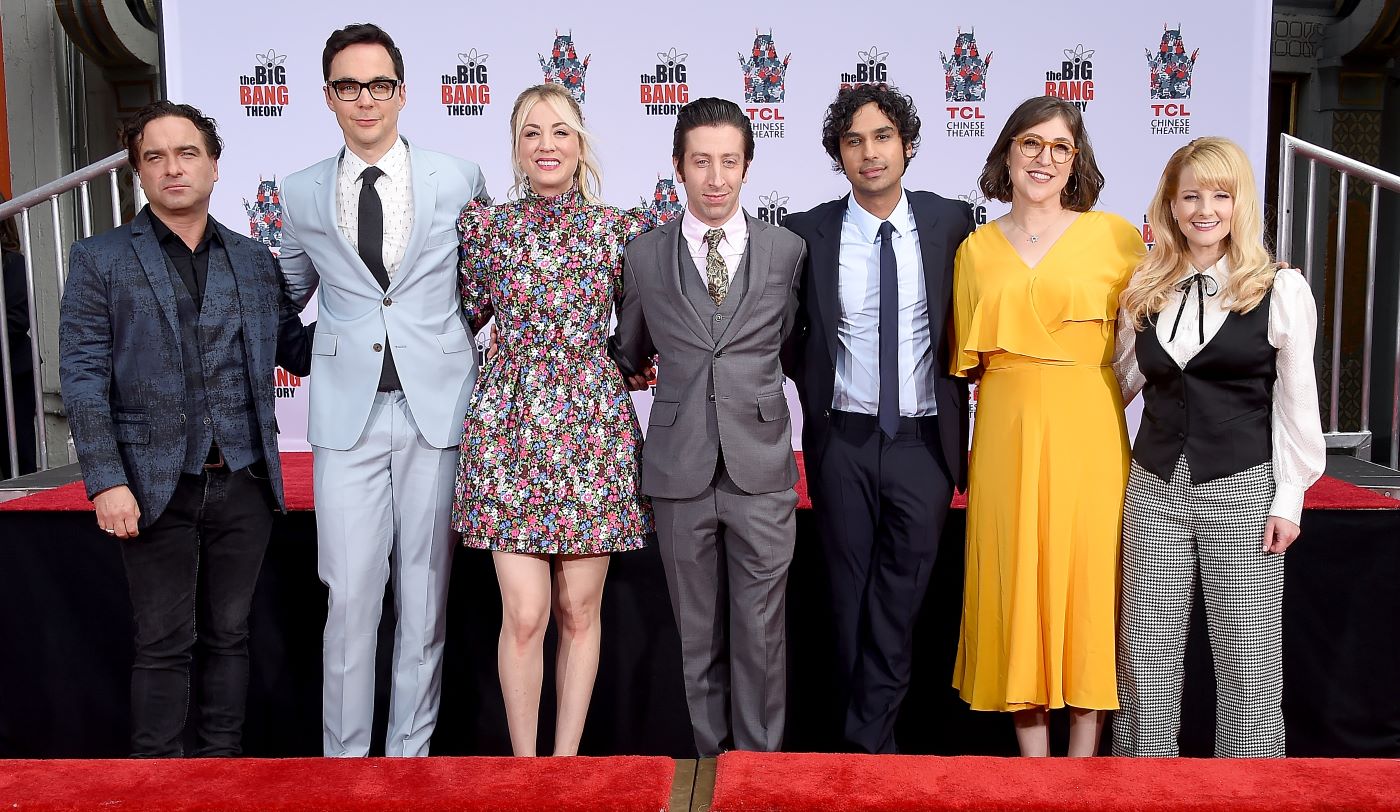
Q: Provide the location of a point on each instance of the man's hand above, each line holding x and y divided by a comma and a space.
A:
1278, 534
642, 380
117, 512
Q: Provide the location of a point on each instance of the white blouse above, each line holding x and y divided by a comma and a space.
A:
1299, 451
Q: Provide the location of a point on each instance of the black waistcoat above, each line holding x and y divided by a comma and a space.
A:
218, 394
1217, 409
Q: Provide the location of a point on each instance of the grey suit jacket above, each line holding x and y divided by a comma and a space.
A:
742, 368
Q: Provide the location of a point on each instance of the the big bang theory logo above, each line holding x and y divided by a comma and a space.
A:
564, 67
772, 208
285, 384
765, 85
467, 90
1169, 78
870, 69
978, 203
664, 90
965, 86
264, 91
1074, 81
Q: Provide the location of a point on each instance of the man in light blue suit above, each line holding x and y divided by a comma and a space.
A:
394, 365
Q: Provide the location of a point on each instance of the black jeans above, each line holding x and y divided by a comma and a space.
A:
191, 575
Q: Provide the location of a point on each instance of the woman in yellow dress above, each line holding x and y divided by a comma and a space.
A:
1035, 305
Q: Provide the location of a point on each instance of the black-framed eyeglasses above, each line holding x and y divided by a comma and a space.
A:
379, 89
1032, 145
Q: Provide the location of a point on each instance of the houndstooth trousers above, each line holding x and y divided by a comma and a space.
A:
1171, 531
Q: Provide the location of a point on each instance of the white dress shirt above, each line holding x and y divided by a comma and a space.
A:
858, 324
1299, 450
395, 196
736, 239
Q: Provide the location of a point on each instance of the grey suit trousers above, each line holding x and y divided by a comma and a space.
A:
726, 555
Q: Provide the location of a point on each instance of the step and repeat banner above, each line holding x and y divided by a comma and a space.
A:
1148, 77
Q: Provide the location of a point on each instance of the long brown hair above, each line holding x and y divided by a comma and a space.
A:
1082, 189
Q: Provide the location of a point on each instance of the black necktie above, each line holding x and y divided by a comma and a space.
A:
371, 235
889, 333
371, 244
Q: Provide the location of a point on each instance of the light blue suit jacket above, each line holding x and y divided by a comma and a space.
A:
420, 315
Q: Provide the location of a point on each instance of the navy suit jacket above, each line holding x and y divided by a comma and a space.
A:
810, 357
122, 372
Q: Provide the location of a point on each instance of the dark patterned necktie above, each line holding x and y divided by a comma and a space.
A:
716, 272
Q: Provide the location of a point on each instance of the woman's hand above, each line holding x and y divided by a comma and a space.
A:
1278, 534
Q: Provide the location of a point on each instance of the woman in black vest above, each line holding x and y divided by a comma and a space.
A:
1220, 343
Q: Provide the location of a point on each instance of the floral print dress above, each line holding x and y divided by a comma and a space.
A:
551, 445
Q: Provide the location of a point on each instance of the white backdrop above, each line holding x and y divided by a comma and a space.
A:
966, 67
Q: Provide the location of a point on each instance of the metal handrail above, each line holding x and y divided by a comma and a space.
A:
1379, 179
19, 208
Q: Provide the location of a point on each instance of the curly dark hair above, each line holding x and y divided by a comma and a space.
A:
1082, 189
359, 34
135, 127
898, 107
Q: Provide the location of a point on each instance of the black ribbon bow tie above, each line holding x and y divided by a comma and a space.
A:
1205, 286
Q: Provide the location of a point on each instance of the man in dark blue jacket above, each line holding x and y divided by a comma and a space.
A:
169, 339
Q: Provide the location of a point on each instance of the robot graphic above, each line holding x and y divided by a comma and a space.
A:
965, 75
765, 76
265, 214
1169, 70
563, 66
665, 204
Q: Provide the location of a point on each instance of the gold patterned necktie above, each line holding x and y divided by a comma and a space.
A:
715, 270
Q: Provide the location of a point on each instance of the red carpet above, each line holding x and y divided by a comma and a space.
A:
1327, 494
344, 785
777, 782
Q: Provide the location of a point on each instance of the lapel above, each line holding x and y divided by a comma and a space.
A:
326, 193
825, 254
243, 269
760, 256
423, 175
152, 259
938, 280
668, 261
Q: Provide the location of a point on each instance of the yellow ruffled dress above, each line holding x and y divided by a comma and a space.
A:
1049, 466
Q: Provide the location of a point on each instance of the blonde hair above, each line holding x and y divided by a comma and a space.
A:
588, 177
1218, 163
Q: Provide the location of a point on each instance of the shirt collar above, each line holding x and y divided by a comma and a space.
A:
736, 229
1220, 271
393, 163
164, 235
869, 225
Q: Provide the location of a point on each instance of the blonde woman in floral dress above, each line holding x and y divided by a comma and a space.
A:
548, 479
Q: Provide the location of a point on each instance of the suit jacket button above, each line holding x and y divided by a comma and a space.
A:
208, 420
712, 398
826, 413
378, 347
388, 301
719, 353
182, 418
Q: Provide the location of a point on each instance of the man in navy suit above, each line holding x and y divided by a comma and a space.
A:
884, 432
168, 343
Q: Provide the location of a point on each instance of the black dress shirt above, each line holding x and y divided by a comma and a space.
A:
192, 265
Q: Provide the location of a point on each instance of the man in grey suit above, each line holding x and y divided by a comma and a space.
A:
394, 363
715, 294
168, 335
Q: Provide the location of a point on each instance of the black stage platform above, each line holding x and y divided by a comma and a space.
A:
65, 634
